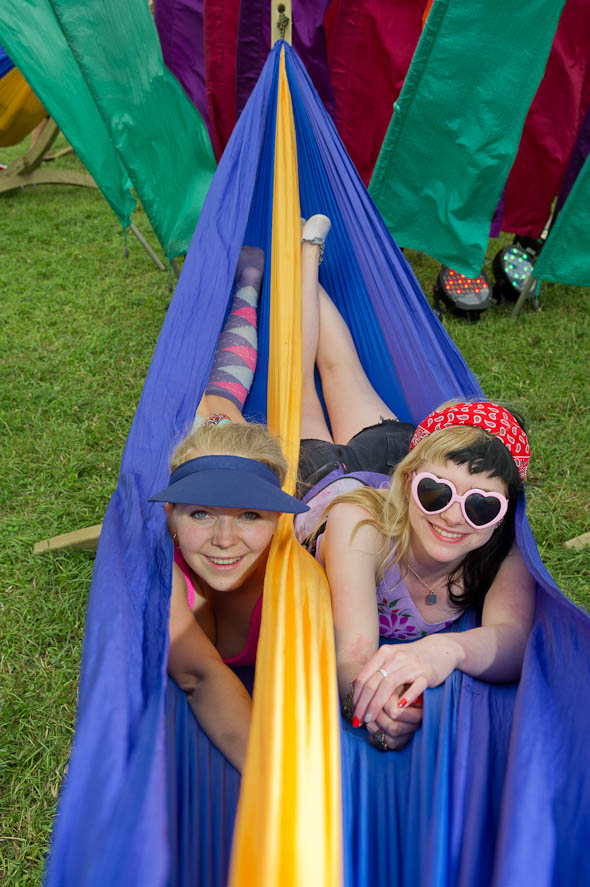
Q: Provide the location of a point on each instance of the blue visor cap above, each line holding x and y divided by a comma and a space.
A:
228, 482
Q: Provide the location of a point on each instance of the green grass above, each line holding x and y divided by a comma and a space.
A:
78, 324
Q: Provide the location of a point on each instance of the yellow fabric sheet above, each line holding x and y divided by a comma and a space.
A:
288, 828
20, 109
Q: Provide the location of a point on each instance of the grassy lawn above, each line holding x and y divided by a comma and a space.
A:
78, 324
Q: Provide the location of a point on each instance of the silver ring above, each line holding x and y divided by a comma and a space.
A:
379, 740
383, 672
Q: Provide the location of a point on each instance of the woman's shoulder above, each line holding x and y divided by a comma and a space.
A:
349, 513
350, 521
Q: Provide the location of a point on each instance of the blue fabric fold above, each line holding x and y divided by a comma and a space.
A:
6, 64
495, 787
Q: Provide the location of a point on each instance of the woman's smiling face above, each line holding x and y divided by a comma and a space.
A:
223, 546
447, 537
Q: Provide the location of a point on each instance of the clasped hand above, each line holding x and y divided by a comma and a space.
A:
388, 689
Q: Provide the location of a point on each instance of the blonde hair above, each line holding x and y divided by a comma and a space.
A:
389, 509
232, 439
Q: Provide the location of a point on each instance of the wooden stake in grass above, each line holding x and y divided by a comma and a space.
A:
85, 539
582, 541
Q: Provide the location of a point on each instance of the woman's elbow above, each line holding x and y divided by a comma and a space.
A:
188, 680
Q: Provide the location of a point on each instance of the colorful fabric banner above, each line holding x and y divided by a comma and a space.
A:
157, 132
457, 124
180, 28
221, 40
125, 115
551, 126
565, 257
237, 42
577, 158
36, 44
370, 47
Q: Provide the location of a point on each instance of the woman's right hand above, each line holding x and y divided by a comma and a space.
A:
398, 725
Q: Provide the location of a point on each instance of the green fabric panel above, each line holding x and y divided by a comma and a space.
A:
565, 258
457, 124
158, 133
34, 41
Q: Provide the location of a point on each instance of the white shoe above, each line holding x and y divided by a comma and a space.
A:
316, 230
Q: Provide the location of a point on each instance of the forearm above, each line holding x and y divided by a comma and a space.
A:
223, 709
348, 670
493, 652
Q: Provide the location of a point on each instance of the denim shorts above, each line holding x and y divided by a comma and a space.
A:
376, 448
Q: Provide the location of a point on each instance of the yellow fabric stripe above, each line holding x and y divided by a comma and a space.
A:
20, 109
288, 828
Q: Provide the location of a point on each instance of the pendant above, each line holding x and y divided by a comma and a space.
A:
431, 598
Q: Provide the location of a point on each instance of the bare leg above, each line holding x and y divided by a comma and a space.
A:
352, 402
313, 423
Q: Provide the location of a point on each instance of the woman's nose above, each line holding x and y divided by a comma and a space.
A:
454, 515
223, 532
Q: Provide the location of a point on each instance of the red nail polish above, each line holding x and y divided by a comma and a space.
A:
402, 703
419, 702
356, 722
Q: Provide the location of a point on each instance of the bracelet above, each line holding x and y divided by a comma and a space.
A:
347, 705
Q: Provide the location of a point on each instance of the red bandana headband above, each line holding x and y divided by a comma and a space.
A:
490, 417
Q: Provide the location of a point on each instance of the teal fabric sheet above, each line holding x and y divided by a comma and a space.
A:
457, 124
35, 42
565, 258
98, 69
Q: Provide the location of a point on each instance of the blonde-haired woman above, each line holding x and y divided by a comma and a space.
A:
222, 504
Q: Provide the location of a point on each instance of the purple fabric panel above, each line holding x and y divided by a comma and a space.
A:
309, 41
253, 47
118, 758
496, 225
578, 156
180, 28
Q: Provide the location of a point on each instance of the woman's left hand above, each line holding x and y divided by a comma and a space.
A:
418, 665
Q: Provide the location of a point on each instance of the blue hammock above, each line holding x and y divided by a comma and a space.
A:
495, 787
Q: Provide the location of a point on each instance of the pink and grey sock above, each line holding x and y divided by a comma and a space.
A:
237, 349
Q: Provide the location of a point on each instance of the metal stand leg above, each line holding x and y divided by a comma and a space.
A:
525, 292
158, 262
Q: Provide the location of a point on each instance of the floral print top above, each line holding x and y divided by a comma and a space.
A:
398, 615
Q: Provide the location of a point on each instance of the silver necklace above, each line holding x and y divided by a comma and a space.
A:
432, 597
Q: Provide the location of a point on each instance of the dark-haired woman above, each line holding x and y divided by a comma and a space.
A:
406, 555
405, 561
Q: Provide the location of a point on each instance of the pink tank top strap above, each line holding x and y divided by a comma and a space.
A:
182, 564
